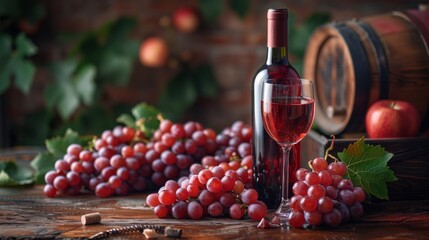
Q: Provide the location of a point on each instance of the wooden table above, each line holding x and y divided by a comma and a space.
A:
27, 213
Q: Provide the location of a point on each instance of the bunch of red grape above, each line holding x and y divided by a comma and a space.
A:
324, 196
179, 146
111, 166
214, 191
117, 164
218, 183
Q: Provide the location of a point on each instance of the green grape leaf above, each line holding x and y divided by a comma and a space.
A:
51, 96
61, 93
72, 85
110, 50
367, 167
43, 163
180, 93
11, 175
144, 110
147, 116
56, 149
62, 70
68, 102
13, 62
130, 48
84, 83
127, 119
25, 46
117, 36
24, 71
58, 145
115, 68
150, 125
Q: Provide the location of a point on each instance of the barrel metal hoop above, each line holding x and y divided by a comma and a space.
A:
362, 75
381, 59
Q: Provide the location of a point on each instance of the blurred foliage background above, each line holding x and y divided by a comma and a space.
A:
53, 78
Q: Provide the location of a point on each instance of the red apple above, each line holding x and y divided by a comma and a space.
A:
153, 52
392, 119
29, 27
186, 19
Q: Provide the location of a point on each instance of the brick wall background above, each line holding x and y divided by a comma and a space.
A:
234, 47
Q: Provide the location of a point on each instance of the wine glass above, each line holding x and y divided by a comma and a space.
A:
287, 113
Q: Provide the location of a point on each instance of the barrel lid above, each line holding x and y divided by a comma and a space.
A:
335, 60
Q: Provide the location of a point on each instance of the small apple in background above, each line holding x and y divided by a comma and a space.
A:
29, 27
186, 19
392, 119
153, 52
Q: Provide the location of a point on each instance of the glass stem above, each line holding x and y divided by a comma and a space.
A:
285, 174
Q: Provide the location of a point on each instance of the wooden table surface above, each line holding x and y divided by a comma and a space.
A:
27, 213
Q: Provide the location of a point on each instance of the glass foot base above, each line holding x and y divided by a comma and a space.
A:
283, 213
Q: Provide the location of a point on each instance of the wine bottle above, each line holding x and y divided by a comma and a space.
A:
266, 152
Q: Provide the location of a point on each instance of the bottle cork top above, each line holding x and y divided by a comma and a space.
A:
277, 27
277, 14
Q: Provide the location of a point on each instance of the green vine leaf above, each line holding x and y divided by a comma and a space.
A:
25, 46
143, 117
56, 149
43, 163
13, 62
184, 90
367, 167
72, 85
180, 93
114, 68
68, 101
84, 83
24, 71
110, 50
12, 176
58, 145
127, 120
146, 118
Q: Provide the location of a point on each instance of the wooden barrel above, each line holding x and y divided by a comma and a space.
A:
357, 62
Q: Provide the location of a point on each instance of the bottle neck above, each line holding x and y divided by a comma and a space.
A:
277, 34
277, 55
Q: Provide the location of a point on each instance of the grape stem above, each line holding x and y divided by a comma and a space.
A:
235, 157
160, 117
140, 124
333, 157
310, 163
330, 148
